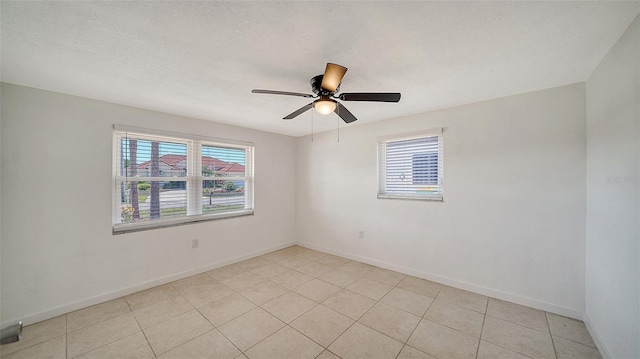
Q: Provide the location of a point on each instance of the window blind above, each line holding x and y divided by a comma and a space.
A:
410, 167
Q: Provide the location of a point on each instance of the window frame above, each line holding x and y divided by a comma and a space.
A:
383, 142
193, 178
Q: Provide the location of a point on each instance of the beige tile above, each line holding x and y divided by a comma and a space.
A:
411, 353
332, 261
151, 296
452, 316
464, 299
97, 313
420, 286
289, 306
243, 280
250, 328
385, 276
568, 328
251, 264
370, 288
291, 279
226, 309
411, 302
351, 304
202, 294
263, 292
291, 250
356, 268
492, 351
211, 345
37, 333
270, 270
442, 342
327, 355
94, 336
55, 348
162, 311
317, 290
277, 255
311, 254
132, 347
340, 278
179, 330
241, 356
519, 339
518, 314
388, 320
362, 342
285, 343
201, 278
566, 349
314, 269
322, 324
225, 272
290, 261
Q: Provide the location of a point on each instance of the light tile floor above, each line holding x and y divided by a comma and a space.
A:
299, 303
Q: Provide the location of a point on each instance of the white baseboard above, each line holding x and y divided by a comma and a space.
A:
604, 351
510, 297
87, 302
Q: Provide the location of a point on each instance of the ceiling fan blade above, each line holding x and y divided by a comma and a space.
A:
333, 75
371, 96
271, 92
342, 111
298, 111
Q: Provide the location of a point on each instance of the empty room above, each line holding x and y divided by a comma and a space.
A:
372, 179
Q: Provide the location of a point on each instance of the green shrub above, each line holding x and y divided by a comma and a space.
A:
229, 186
143, 186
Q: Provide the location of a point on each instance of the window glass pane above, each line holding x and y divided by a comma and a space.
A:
412, 166
222, 196
425, 168
222, 161
144, 158
144, 201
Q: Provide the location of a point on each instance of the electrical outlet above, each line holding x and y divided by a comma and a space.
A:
195, 243
361, 234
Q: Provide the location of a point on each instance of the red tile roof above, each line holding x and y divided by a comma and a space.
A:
211, 162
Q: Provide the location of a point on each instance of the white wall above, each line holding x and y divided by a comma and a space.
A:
58, 252
512, 224
613, 199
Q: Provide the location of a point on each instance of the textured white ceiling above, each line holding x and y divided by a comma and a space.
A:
202, 59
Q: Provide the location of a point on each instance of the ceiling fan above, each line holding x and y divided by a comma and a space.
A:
325, 87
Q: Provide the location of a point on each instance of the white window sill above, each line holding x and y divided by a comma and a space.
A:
431, 198
122, 228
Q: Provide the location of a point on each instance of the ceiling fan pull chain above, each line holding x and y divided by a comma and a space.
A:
339, 125
312, 116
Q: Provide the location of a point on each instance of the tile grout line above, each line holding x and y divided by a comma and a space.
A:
484, 318
553, 343
66, 341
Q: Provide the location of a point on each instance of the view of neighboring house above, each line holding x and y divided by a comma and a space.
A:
171, 165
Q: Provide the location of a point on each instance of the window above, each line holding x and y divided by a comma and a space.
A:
163, 179
410, 166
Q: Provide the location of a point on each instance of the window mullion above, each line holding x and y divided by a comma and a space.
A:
194, 185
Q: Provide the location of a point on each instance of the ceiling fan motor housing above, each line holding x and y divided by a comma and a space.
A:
316, 87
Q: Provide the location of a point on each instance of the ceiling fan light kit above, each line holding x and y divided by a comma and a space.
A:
324, 105
325, 87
